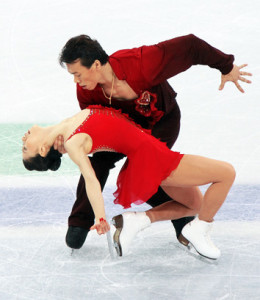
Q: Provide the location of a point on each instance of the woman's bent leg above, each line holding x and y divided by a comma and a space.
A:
195, 170
182, 186
129, 224
187, 202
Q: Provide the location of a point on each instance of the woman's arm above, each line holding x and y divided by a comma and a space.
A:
78, 147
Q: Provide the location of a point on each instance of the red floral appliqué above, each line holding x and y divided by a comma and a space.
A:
145, 105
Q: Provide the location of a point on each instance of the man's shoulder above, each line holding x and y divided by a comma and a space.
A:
126, 53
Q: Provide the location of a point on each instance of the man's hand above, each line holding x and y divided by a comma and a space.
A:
59, 144
235, 75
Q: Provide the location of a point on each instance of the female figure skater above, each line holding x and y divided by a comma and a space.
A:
149, 164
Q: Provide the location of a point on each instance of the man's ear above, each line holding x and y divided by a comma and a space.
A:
44, 150
97, 64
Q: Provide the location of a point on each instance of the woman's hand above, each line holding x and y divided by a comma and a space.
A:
102, 227
59, 144
234, 75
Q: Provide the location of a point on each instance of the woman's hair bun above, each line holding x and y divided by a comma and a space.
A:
51, 161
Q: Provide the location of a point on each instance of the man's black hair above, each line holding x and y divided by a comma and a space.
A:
84, 48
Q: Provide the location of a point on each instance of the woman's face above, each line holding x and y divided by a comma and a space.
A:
31, 142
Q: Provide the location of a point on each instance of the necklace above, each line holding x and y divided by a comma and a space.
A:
111, 93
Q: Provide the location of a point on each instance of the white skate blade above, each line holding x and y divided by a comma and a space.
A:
112, 250
116, 246
115, 243
193, 252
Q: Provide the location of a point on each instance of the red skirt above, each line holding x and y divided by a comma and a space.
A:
143, 172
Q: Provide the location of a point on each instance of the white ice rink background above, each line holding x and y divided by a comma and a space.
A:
35, 263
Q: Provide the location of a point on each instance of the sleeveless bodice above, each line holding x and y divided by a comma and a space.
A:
111, 130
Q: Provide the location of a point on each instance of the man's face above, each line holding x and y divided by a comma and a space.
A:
87, 78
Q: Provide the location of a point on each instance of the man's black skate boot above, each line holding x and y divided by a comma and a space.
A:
178, 225
76, 237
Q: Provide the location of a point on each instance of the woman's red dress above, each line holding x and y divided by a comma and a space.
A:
148, 163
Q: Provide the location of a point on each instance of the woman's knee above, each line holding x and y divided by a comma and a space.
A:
230, 172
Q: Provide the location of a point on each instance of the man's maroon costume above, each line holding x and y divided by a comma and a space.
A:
146, 70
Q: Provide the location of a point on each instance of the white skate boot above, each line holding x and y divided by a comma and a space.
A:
127, 226
197, 232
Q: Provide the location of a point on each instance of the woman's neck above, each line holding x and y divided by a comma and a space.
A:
64, 128
52, 132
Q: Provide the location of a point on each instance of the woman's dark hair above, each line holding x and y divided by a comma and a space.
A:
84, 48
51, 161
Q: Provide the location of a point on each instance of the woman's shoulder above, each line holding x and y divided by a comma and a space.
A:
81, 142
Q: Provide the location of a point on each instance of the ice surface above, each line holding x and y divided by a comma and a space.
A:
35, 263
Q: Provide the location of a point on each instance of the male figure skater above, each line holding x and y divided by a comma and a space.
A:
135, 81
